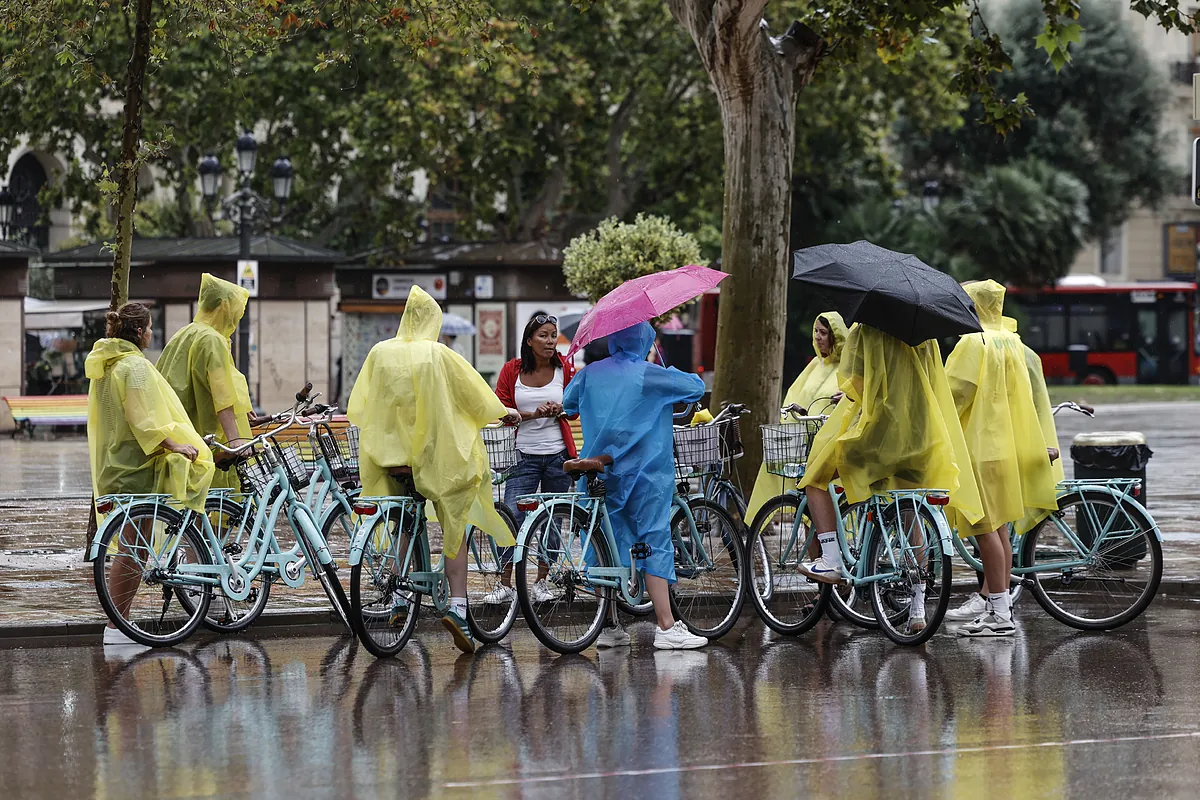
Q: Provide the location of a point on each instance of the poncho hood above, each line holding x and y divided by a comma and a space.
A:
105, 353
989, 302
422, 319
837, 326
221, 304
632, 343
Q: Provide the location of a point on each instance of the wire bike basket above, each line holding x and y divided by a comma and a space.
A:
704, 449
339, 448
501, 445
786, 445
256, 471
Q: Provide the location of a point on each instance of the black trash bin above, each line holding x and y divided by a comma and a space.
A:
1113, 454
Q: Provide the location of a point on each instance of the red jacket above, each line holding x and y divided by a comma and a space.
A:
506, 389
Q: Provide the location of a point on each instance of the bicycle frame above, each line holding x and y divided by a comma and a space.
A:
1122, 490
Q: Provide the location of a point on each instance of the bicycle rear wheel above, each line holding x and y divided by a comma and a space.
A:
383, 610
230, 526
560, 539
850, 601
710, 567
135, 576
489, 622
788, 602
906, 549
1108, 589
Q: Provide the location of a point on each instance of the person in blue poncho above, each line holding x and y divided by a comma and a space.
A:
624, 404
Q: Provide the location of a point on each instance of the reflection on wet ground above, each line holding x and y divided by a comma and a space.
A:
838, 712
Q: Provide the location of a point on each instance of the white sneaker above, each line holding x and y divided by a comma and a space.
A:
114, 636
677, 637
500, 596
540, 593
822, 571
613, 637
916, 618
989, 624
972, 609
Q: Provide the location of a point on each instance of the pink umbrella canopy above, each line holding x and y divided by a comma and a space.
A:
642, 299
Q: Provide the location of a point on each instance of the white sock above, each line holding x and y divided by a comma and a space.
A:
829, 547
459, 606
1000, 605
918, 596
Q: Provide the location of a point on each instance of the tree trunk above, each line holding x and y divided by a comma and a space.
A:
757, 80
131, 137
127, 172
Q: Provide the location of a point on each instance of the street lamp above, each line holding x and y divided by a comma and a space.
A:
210, 176
931, 196
8, 207
247, 150
281, 178
246, 208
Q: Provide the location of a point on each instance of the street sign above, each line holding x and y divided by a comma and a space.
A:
385, 286
248, 276
485, 287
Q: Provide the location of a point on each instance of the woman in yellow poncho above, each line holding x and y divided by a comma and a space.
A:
819, 380
419, 404
896, 428
198, 364
989, 378
140, 440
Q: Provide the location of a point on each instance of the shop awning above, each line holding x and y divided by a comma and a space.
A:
53, 315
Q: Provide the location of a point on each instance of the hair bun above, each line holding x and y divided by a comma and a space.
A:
112, 317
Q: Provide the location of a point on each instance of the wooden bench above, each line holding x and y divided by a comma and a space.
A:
49, 410
298, 436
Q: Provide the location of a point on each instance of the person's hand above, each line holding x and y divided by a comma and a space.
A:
1053, 453
553, 409
511, 418
185, 450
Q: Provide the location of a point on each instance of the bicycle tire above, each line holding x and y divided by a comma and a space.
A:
884, 593
238, 614
565, 578
787, 587
1054, 596
326, 575
853, 603
695, 593
337, 529
488, 628
202, 593
373, 612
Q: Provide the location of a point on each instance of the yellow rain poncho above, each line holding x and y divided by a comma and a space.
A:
989, 378
198, 364
131, 410
419, 404
1045, 415
818, 380
896, 428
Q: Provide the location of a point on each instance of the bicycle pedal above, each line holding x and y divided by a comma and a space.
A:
232, 549
640, 551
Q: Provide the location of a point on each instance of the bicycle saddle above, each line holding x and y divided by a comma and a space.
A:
586, 466
400, 472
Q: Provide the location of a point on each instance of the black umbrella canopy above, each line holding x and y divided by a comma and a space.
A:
895, 292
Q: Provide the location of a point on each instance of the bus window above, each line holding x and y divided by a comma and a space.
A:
1089, 325
1046, 328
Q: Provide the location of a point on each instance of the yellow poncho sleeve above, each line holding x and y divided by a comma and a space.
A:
419, 404
897, 427
131, 410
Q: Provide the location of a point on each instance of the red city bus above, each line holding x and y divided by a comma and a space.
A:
1090, 331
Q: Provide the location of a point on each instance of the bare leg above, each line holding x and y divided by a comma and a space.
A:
126, 575
456, 571
821, 510
996, 553
660, 593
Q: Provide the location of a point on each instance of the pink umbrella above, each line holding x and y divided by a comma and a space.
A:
642, 299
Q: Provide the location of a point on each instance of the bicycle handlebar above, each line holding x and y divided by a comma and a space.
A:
242, 449
1082, 408
686, 413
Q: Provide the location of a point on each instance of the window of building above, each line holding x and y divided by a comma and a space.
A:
1112, 252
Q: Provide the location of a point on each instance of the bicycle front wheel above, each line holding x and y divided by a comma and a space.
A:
137, 580
710, 566
383, 609
1101, 591
787, 601
491, 611
904, 554
568, 616
853, 602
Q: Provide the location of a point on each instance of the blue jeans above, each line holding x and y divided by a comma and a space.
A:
533, 473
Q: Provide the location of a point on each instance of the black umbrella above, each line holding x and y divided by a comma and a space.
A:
894, 292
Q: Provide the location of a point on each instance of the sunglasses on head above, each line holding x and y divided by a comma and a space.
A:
542, 319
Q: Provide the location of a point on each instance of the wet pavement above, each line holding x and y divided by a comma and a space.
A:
45, 487
838, 712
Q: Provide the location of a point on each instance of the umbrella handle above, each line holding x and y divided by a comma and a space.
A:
662, 360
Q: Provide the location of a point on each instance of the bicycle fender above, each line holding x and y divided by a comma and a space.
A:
359, 540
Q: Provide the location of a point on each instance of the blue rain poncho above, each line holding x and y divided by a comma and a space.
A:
624, 404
